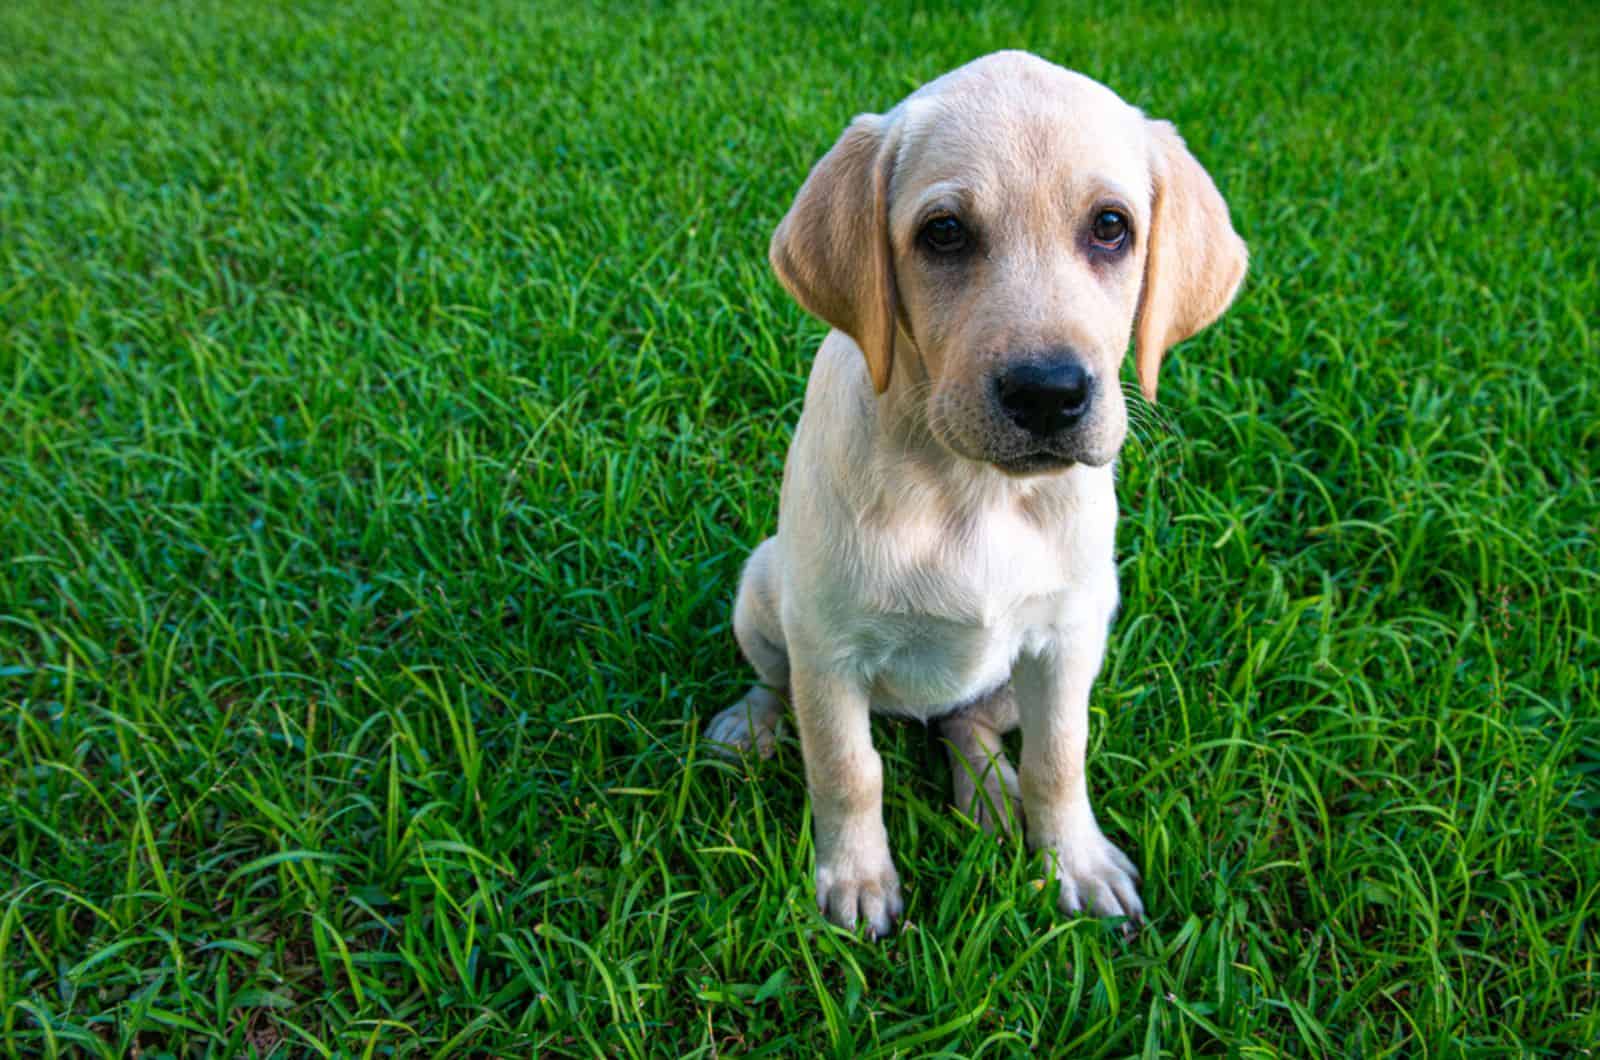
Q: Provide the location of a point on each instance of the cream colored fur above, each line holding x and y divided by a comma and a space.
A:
910, 573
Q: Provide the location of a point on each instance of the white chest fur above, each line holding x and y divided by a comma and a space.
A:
929, 605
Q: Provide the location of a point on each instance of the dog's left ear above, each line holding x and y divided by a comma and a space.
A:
1195, 261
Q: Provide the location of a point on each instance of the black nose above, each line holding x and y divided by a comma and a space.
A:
1044, 397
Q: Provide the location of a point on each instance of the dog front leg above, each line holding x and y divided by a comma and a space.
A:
856, 879
1052, 689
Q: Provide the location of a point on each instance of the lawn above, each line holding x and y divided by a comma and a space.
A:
389, 394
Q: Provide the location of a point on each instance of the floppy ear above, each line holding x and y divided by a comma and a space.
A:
1195, 260
832, 249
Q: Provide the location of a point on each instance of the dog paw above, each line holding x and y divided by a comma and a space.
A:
1098, 878
860, 889
986, 802
753, 723
985, 785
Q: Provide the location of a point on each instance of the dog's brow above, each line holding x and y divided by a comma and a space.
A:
1107, 190
945, 194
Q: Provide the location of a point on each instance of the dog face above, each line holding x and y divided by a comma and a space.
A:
994, 240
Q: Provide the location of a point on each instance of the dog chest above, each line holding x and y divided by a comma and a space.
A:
929, 590
944, 625
923, 666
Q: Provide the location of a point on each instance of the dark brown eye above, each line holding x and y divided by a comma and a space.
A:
1110, 229
944, 235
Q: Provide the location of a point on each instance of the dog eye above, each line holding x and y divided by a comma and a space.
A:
944, 235
1110, 229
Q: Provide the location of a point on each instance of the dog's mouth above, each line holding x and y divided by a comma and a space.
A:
1038, 462
985, 438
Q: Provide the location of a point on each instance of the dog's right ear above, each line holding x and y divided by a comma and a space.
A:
832, 249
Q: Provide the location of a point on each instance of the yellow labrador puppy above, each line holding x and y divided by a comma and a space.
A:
984, 252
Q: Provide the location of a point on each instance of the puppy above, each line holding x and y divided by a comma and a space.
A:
984, 252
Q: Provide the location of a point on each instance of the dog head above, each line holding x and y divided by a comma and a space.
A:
992, 243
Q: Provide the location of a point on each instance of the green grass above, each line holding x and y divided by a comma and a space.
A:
389, 394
